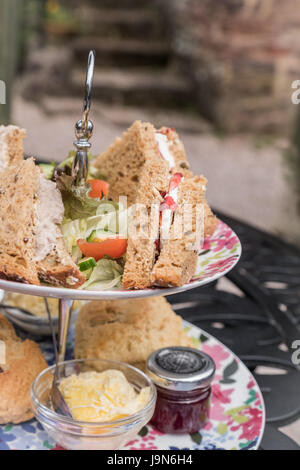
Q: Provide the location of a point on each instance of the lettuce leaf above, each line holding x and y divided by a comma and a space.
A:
77, 203
107, 220
93, 173
106, 275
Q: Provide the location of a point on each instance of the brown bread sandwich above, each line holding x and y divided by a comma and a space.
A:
149, 167
32, 247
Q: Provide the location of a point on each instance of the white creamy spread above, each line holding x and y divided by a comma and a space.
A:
102, 396
166, 215
49, 213
164, 148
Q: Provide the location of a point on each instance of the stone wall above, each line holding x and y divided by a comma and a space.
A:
242, 56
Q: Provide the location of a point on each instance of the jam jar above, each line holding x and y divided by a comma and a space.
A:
183, 379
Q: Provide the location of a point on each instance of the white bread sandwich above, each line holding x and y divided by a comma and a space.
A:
31, 243
150, 168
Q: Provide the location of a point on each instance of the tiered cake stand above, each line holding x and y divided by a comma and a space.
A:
219, 255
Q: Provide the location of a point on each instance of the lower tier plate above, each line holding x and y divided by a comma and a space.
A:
237, 414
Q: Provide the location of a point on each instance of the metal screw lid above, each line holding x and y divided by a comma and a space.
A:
180, 368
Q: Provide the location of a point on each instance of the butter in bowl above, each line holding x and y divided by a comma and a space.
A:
110, 402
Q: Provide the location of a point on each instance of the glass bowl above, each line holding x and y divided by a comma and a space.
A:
79, 435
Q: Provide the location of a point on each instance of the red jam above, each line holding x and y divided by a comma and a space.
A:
181, 412
183, 379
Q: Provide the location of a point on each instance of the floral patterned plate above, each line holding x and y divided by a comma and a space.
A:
237, 415
219, 255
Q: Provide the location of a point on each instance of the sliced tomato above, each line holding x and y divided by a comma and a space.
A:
166, 130
175, 180
168, 203
99, 188
114, 247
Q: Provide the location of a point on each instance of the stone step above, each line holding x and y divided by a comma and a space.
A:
142, 87
121, 23
122, 52
110, 4
124, 116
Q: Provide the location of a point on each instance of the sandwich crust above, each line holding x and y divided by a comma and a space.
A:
127, 330
123, 162
59, 269
18, 189
11, 145
24, 361
177, 149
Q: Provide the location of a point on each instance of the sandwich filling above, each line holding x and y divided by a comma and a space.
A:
49, 214
170, 199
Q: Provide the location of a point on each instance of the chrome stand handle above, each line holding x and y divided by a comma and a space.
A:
65, 312
84, 129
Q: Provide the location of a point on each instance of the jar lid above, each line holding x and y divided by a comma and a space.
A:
180, 368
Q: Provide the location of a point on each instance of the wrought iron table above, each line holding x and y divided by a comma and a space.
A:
259, 321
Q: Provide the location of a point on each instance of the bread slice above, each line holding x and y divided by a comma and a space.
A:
58, 267
23, 362
18, 189
127, 330
11, 145
123, 163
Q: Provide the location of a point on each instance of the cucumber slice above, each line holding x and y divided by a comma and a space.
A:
88, 273
87, 263
91, 236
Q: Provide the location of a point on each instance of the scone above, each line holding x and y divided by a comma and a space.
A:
23, 362
127, 330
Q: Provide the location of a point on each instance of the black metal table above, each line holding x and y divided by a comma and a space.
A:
259, 321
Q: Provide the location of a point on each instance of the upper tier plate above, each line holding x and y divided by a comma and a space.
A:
219, 255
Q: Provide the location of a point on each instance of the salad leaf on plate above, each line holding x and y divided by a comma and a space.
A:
78, 204
108, 220
106, 275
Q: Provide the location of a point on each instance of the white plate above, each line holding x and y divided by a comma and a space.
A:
219, 255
